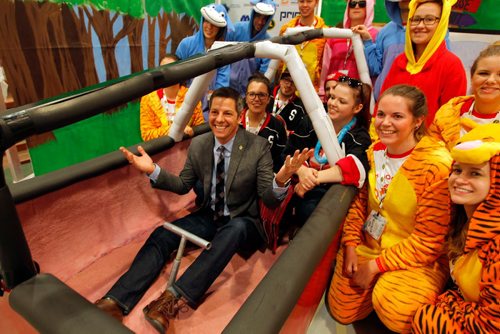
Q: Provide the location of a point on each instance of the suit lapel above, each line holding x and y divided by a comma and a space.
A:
239, 148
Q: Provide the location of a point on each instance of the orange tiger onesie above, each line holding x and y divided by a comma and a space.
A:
475, 306
416, 208
153, 119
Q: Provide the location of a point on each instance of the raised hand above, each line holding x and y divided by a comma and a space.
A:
142, 162
362, 31
292, 164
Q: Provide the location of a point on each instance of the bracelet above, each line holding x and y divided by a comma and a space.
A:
379, 265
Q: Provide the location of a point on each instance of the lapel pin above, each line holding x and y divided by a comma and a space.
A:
241, 147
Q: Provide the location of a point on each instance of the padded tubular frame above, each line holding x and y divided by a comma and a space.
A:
52, 307
16, 264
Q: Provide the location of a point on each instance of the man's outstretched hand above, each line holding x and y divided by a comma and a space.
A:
142, 162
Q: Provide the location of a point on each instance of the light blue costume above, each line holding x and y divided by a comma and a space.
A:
390, 42
195, 44
242, 70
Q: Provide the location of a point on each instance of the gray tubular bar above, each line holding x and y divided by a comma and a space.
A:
23, 122
46, 183
269, 305
52, 307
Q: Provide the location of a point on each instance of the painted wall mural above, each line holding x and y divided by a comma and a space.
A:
48, 48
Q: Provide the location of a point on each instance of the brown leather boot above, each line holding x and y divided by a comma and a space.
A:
111, 307
159, 311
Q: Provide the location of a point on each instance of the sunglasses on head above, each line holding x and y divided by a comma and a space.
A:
353, 83
362, 4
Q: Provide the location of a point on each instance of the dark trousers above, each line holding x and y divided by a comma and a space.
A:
226, 238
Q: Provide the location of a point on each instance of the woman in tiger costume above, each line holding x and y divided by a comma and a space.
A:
473, 243
462, 113
391, 259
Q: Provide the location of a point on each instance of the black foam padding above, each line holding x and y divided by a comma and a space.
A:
269, 305
52, 307
43, 184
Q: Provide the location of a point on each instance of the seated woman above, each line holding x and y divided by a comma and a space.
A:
457, 116
473, 242
158, 109
348, 109
391, 258
257, 120
426, 63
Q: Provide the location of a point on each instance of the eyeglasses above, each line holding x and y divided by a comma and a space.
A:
261, 96
428, 20
353, 83
362, 4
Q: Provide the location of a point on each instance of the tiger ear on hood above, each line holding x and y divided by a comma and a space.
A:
478, 145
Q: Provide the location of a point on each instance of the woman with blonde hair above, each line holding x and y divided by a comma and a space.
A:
462, 113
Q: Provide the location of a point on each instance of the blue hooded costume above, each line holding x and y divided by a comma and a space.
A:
390, 42
242, 70
195, 44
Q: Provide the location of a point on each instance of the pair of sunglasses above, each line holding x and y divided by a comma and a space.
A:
353, 83
361, 3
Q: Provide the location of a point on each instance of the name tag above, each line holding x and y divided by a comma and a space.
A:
375, 225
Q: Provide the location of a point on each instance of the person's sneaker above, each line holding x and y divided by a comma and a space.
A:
110, 307
159, 311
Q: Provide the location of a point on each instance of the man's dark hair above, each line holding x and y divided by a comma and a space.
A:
228, 93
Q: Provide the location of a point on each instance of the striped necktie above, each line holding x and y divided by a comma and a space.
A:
219, 185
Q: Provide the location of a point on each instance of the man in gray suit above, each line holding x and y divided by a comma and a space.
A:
235, 169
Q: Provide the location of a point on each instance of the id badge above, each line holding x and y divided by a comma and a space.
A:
375, 225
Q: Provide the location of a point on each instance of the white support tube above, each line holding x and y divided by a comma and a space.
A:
358, 48
295, 30
364, 72
337, 33
195, 93
272, 68
313, 105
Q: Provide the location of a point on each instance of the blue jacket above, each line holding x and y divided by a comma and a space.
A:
195, 44
390, 42
242, 70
